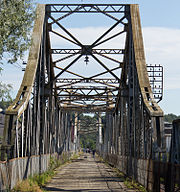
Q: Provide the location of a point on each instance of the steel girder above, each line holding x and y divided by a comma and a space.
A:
39, 121
86, 8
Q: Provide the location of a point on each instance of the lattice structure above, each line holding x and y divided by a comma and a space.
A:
58, 82
155, 73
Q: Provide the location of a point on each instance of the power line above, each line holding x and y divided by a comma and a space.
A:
17, 65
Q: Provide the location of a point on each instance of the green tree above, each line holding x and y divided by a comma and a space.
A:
170, 117
5, 96
88, 140
16, 18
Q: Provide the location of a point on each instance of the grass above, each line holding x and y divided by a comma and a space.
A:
27, 185
75, 156
42, 179
37, 182
130, 183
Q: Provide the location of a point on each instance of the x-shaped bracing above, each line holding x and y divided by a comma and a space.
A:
68, 90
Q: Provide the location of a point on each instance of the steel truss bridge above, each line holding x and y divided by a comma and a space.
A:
73, 78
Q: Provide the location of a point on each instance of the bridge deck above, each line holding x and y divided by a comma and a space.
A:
86, 175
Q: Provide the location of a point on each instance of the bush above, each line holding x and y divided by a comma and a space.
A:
27, 185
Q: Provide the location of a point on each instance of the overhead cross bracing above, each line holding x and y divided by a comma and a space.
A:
95, 85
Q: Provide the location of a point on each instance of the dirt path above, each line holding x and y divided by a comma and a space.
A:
86, 175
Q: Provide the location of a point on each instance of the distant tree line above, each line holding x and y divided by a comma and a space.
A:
88, 140
170, 117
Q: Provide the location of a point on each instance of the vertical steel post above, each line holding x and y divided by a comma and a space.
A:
75, 131
100, 129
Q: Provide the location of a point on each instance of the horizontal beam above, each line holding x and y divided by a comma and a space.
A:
86, 8
73, 88
87, 80
80, 103
80, 97
81, 51
85, 98
86, 110
83, 102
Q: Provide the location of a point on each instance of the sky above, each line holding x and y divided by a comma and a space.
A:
161, 34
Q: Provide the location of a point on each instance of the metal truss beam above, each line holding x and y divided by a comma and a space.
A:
65, 30
108, 31
80, 97
97, 88
86, 109
107, 69
63, 70
92, 51
86, 8
71, 80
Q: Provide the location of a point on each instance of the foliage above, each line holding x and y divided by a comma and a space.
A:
88, 140
5, 97
36, 182
89, 122
129, 182
42, 179
27, 185
74, 156
132, 184
16, 17
170, 117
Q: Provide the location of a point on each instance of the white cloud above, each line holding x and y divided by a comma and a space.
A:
87, 36
162, 46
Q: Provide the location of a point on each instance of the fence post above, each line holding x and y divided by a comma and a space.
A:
156, 176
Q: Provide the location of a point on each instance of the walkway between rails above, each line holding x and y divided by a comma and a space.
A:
86, 174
